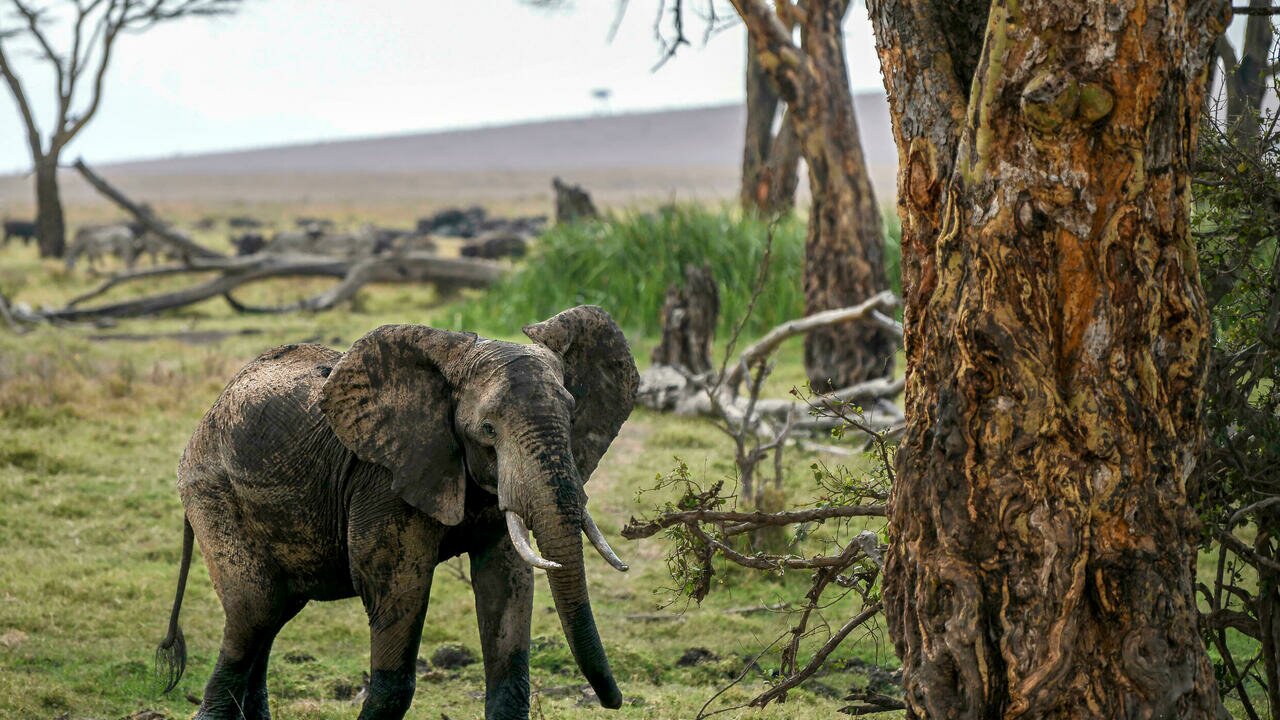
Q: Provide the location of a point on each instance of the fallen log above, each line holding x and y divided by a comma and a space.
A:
416, 267
185, 246
237, 272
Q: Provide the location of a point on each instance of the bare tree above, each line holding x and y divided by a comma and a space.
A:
91, 29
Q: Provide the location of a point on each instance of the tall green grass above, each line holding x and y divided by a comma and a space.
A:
626, 263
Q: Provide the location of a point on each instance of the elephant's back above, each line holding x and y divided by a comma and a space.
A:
261, 477
266, 420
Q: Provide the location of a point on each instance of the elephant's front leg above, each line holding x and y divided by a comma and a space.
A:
503, 586
393, 559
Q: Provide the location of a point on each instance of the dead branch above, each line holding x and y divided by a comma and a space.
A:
196, 265
760, 350
666, 389
407, 268
236, 272
819, 656
635, 530
185, 246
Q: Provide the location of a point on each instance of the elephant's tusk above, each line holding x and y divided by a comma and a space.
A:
519, 533
602, 546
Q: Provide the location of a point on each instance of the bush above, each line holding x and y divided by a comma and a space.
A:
624, 264
1237, 488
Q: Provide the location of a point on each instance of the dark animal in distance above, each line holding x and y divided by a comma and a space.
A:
493, 247
474, 222
320, 475
22, 229
243, 222
248, 243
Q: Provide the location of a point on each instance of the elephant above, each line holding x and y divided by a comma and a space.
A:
320, 475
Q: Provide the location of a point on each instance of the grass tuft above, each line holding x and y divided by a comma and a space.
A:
625, 265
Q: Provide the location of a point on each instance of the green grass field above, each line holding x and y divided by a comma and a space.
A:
91, 428
90, 531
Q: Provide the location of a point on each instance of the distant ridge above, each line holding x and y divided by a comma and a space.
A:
699, 137
625, 160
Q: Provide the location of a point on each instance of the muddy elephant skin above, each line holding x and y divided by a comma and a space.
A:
320, 475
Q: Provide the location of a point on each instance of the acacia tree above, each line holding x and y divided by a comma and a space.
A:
79, 71
1041, 560
844, 250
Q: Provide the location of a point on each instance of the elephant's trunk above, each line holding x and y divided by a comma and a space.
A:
563, 544
554, 510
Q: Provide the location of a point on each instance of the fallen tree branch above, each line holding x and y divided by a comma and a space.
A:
185, 246
665, 389
423, 268
410, 267
196, 265
11, 317
764, 347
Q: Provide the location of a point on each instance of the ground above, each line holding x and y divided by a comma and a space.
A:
90, 525
93, 424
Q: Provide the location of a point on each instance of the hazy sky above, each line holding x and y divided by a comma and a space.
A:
287, 71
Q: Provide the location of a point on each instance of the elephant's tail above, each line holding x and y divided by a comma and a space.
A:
171, 655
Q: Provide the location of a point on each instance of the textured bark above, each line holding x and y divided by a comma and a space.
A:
844, 250
1041, 558
770, 162
51, 227
689, 316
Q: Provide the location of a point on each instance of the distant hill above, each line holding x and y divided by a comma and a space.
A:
626, 157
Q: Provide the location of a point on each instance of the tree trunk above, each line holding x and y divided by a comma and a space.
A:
762, 110
783, 169
844, 263
689, 315
1041, 561
844, 249
1247, 85
50, 225
769, 162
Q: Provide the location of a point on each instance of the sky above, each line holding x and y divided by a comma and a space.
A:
292, 71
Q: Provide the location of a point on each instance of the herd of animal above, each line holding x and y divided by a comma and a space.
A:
483, 236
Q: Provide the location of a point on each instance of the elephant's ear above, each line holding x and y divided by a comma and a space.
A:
389, 401
600, 373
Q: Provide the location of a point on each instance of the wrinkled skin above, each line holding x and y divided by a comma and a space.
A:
319, 475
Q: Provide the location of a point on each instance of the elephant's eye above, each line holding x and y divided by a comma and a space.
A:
487, 428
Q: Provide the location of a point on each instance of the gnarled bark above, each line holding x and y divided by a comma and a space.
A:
1041, 558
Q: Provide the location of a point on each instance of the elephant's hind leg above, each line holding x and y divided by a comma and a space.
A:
256, 706
254, 616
